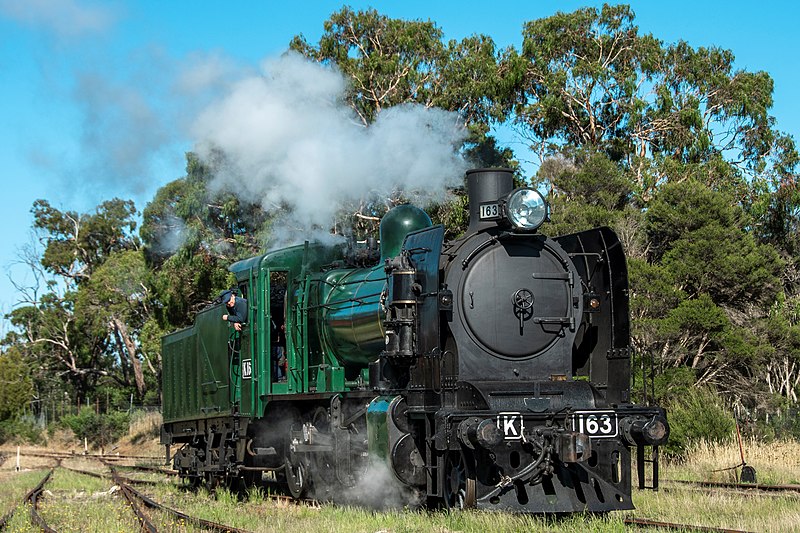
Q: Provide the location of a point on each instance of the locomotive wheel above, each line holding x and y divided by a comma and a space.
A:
324, 464
296, 478
459, 481
212, 482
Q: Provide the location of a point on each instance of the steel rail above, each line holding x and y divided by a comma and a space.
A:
8, 516
644, 522
738, 486
33, 498
71, 455
101, 475
145, 468
144, 520
199, 522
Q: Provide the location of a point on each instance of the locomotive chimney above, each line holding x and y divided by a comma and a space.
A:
486, 186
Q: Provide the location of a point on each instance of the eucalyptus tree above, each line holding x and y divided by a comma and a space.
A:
191, 235
58, 333
394, 61
16, 385
390, 62
590, 78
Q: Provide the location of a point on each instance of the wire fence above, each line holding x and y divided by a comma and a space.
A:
42, 414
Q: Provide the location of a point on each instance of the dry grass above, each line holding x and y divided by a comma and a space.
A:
775, 463
145, 423
721, 509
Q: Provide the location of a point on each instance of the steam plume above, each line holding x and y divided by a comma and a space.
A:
289, 142
67, 18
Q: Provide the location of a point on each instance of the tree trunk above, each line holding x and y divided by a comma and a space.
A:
130, 347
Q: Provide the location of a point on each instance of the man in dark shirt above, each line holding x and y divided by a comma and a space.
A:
278, 340
237, 309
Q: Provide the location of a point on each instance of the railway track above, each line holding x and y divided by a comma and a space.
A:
32, 497
655, 524
72, 455
141, 504
136, 500
111, 477
133, 496
744, 487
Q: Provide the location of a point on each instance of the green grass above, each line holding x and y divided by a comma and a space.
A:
76, 502
264, 515
81, 503
15, 485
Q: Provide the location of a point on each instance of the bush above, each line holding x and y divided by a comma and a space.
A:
100, 430
20, 430
697, 414
781, 425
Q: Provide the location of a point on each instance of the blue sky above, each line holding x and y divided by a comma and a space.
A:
83, 84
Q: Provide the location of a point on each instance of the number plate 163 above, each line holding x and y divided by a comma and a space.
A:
489, 211
597, 424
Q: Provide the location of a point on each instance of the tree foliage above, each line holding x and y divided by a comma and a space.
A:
16, 387
76, 244
71, 324
190, 237
394, 61
99, 430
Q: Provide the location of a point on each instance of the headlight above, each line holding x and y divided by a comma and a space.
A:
526, 209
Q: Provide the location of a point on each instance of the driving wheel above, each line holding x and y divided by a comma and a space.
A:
296, 478
459, 481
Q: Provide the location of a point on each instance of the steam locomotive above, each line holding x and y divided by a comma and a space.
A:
489, 371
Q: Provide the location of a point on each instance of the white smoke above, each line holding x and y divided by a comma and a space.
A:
292, 145
123, 129
375, 488
66, 18
290, 142
171, 236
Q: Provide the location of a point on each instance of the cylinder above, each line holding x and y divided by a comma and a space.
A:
485, 186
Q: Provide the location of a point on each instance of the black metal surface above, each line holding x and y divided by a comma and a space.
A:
486, 185
495, 276
507, 288
424, 248
603, 344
